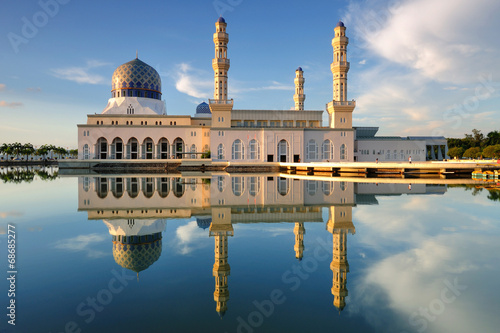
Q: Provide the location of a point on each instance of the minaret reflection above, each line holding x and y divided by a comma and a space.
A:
339, 225
220, 228
299, 232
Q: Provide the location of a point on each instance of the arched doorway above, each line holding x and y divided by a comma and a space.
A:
178, 148
102, 148
283, 150
164, 149
117, 149
133, 149
148, 149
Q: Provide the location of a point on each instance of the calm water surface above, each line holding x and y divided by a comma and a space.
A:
249, 254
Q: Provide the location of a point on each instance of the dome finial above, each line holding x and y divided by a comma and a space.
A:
137, 54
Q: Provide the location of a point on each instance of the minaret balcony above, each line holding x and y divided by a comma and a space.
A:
222, 61
340, 103
343, 64
221, 101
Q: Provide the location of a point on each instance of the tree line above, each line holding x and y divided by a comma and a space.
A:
475, 145
18, 150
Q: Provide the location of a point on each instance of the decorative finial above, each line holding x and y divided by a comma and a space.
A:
137, 54
137, 276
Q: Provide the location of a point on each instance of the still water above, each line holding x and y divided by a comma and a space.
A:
144, 253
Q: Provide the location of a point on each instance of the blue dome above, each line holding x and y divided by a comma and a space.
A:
221, 20
203, 108
300, 69
340, 24
136, 75
203, 222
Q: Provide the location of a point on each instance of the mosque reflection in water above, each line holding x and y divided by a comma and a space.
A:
135, 210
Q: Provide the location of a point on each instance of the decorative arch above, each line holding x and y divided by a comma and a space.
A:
238, 150
178, 148
148, 149
283, 151
312, 150
132, 187
102, 148
133, 149
254, 150
343, 152
163, 149
163, 186
117, 149
327, 150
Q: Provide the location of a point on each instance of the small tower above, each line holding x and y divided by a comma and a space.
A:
299, 232
221, 106
220, 229
339, 225
340, 109
299, 96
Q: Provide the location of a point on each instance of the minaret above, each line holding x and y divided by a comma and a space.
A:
299, 96
340, 109
339, 225
221, 106
221, 228
299, 232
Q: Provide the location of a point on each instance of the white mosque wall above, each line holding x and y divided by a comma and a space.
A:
390, 150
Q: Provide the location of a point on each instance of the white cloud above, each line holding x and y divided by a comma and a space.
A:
445, 40
83, 243
34, 89
192, 81
4, 104
82, 74
189, 237
2, 86
362, 62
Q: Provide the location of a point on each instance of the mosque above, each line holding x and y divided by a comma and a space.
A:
135, 124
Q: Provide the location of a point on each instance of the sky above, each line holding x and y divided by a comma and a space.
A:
418, 67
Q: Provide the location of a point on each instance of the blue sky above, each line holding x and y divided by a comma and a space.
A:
418, 67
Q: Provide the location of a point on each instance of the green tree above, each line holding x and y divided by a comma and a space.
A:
492, 151
493, 138
27, 149
472, 152
457, 152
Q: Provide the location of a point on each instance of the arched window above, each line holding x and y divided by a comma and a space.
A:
254, 150
148, 149
117, 187
283, 149
148, 187
86, 154
220, 152
132, 187
117, 149
238, 150
178, 187
283, 185
221, 183
312, 187
193, 151
238, 185
102, 187
343, 152
163, 149
133, 149
254, 185
102, 148
327, 150
163, 186
327, 188
312, 150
